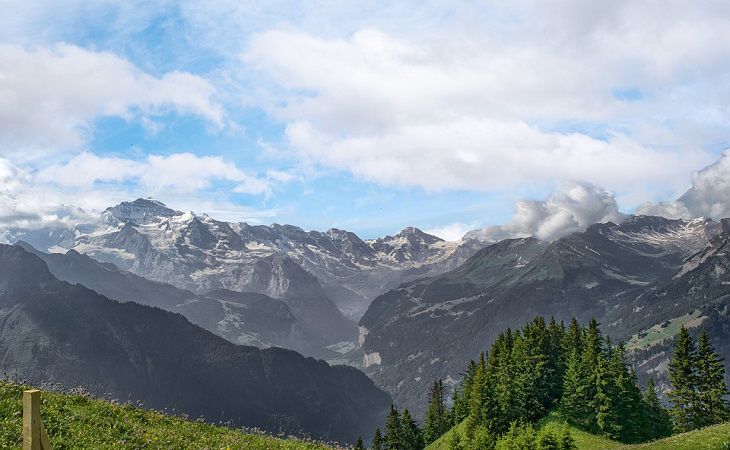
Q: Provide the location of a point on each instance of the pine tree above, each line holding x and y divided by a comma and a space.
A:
359, 445
603, 402
626, 397
378, 442
575, 403
477, 397
461, 395
711, 407
573, 340
657, 423
393, 430
437, 422
411, 437
555, 361
683, 376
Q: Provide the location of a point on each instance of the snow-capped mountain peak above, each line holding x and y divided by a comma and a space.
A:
142, 210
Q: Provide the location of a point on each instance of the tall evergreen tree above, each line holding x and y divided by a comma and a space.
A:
576, 401
437, 421
411, 437
604, 401
555, 361
477, 399
711, 407
573, 340
378, 441
393, 430
461, 395
626, 397
656, 421
683, 376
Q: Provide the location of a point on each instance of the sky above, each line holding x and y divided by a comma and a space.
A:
514, 118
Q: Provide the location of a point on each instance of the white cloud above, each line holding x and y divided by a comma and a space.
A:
709, 195
487, 155
53, 198
572, 206
452, 231
23, 203
49, 97
188, 172
560, 92
181, 172
86, 168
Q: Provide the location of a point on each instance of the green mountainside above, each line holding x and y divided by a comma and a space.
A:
78, 421
716, 437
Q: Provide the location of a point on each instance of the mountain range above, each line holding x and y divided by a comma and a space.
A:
66, 334
630, 276
323, 280
436, 304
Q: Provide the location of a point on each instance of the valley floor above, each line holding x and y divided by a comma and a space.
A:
77, 421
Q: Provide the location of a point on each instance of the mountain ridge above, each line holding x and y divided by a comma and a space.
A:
423, 330
53, 331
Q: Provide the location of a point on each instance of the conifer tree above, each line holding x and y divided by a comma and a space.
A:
573, 340
359, 445
378, 442
604, 401
683, 376
477, 399
461, 395
555, 361
411, 436
656, 421
437, 422
393, 430
626, 395
711, 407
575, 402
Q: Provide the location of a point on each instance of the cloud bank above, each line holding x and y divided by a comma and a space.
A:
48, 197
587, 95
50, 96
572, 206
709, 195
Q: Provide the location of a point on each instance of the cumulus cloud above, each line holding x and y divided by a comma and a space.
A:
709, 195
23, 203
577, 94
50, 96
572, 206
73, 192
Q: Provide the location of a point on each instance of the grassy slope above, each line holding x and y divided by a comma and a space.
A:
711, 438
75, 421
658, 334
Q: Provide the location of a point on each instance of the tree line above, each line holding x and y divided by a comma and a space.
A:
574, 370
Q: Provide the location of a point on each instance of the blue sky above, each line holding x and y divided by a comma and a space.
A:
369, 116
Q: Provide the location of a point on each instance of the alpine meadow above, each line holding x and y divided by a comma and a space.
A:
297, 224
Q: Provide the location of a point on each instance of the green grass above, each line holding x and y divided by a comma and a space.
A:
658, 333
583, 439
711, 438
716, 437
442, 443
77, 421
